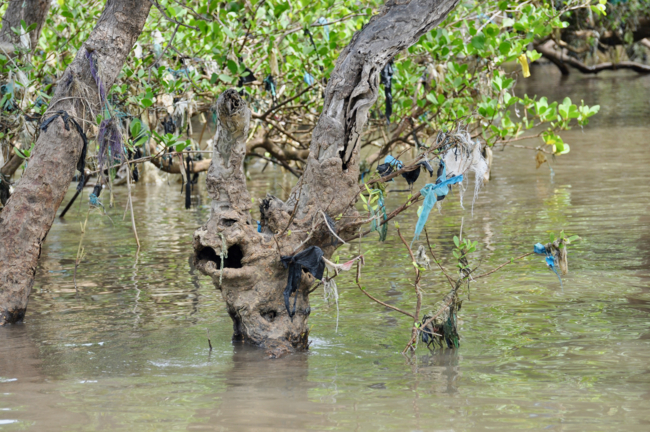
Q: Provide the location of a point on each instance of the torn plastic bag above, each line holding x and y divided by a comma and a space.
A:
269, 86
433, 193
553, 259
465, 155
391, 164
311, 260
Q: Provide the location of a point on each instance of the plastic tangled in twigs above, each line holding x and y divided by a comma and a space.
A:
94, 197
95, 74
391, 164
553, 260
309, 79
378, 212
433, 193
311, 260
422, 259
81, 163
245, 79
330, 290
386, 79
442, 326
269, 86
109, 138
323, 21
462, 154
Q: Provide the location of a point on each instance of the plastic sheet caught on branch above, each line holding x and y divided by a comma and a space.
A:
556, 256
311, 260
461, 154
81, 163
109, 139
442, 326
269, 86
433, 193
391, 164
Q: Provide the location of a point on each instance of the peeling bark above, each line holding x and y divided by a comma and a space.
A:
253, 280
29, 213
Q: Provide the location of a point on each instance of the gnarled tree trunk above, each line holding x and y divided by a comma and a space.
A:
29, 213
252, 279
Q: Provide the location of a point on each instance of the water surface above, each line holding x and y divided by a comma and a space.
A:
129, 351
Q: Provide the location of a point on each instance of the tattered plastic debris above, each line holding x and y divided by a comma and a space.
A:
309, 79
433, 193
444, 327
93, 198
311, 260
391, 164
269, 86
461, 155
422, 259
556, 256
81, 163
323, 21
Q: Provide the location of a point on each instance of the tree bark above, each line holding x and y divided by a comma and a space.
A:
28, 214
252, 279
31, 11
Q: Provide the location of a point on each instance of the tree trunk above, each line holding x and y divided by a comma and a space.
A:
252, 280
29, 213
32, 12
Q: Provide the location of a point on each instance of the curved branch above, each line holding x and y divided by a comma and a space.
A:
561, 60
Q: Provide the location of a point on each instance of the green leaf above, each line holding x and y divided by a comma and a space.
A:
504, 47
456, 241
478, 41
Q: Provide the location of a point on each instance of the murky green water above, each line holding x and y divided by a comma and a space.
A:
130, 352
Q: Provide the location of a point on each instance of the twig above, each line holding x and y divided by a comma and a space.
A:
128, 182
451, 281
330, 228
166, 47
503, 265
396, 309
295, 207
416, 285
162, 11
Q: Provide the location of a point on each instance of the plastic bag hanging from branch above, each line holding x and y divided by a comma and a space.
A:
311, 260
391, 164
461, 154
442, 326
433, 193
81, 163
269, 86
109, 139
555, 254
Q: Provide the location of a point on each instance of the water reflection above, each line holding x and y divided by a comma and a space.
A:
129, 351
